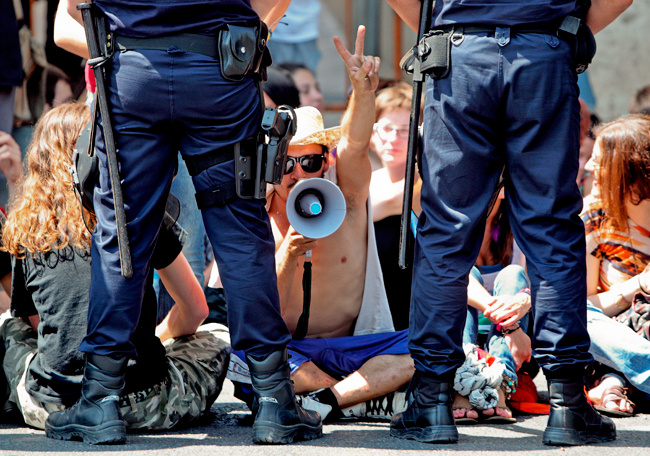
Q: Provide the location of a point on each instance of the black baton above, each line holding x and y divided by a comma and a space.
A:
426, 11
97, 59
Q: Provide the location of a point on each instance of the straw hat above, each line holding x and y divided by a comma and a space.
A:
311, 130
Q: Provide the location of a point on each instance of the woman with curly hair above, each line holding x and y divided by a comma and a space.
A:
48, 233
617, 224
46, 213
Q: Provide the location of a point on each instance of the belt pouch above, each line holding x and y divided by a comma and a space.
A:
238, 51
435, 51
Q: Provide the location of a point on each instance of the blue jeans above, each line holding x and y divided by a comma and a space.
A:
509, 100
163, 102
508, 282
191, 221
617, 346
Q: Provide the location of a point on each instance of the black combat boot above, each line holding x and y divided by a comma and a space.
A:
278, 419
429, 417
572, 420
96, 417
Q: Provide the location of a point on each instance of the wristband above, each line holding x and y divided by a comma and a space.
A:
510, 329
524, 290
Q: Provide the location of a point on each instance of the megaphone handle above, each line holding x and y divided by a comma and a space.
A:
303, 321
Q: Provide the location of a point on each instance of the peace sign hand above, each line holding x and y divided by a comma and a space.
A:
363, 70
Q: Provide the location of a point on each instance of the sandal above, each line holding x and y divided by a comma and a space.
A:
614, 394
499, 419
496, 418
462, 403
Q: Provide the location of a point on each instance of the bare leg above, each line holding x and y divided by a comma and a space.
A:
380, 375
309, 377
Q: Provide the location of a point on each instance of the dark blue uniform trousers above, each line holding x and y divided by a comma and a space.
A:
162, 102
509, 100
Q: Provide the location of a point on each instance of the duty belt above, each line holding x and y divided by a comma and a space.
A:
188, 42
545, 29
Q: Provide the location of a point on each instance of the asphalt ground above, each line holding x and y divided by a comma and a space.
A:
227, 432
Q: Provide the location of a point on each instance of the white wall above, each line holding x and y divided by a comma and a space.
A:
622, 64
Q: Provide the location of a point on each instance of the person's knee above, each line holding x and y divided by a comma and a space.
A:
309, 377
402, 364
514, 273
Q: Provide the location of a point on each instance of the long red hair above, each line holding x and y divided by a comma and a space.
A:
46, 213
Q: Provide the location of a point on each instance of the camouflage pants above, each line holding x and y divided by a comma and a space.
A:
197, 365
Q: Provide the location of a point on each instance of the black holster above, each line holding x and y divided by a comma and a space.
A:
259, 160
252, 173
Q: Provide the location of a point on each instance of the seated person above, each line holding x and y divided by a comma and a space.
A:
11, 168
617, 226
305, 81
279, 89
389, 142
49, 234
350, 353
640, 103
500, 286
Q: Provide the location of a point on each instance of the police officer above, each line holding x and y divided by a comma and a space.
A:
167, 95
509, 99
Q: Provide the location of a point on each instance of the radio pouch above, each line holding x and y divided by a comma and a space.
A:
574, 30
585, 48
435, 51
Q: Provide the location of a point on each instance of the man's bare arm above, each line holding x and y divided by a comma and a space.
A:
265, 7
292, 248
68, 32
275, 14
603, 12
191, 307
408, 10
352, 162
71, 7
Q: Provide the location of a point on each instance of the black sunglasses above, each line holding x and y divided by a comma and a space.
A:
309, 163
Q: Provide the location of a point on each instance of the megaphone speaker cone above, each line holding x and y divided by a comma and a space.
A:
316, 208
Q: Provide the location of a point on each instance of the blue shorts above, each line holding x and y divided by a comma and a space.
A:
340, 356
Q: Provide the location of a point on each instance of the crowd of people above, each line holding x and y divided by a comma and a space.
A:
514, 271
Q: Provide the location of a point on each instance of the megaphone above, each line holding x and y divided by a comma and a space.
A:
316, 207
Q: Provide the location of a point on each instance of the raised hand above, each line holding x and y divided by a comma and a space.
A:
10, 164
363, 70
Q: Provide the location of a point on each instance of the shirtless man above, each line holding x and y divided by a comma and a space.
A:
371, 359
339, 259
